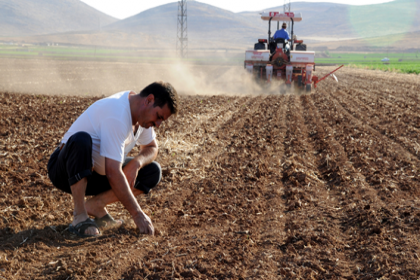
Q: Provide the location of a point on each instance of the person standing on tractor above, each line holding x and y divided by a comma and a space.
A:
282, 33
92, 156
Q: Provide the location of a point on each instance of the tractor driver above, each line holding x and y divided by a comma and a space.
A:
282, 33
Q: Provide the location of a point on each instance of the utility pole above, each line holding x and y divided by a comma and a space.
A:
286, 8
182, 35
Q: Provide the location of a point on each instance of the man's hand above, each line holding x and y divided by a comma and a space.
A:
123, 180
144, 223
123, 193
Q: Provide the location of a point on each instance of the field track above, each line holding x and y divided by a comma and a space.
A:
319, 186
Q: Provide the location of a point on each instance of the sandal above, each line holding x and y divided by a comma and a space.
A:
108, 222
81, 227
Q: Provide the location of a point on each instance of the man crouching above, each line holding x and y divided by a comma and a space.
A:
92, 156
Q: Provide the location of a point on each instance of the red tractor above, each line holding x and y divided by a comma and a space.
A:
279, 59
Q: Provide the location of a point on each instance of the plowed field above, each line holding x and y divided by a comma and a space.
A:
318, 186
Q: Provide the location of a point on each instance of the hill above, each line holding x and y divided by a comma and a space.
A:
320, 20
35, 17
338, 21
210, 27
407, 42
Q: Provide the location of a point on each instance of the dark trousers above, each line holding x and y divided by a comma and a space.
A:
73, 162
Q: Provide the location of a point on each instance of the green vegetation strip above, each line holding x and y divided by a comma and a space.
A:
398, 62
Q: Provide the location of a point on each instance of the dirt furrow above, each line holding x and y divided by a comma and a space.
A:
180, 137
388, 124
405, 108
333, 164
298, 162
365, 220
346, 186
251, 158
377, 82
304, 193
372, 153
398, 108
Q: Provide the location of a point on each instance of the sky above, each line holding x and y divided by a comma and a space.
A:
122, 9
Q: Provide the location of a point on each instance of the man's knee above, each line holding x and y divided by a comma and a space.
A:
81, 138
156, 173
78, 148
149, 177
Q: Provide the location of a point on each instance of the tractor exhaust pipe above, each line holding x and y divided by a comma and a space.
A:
293, 23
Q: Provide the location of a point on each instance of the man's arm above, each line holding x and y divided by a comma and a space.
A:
148, 154
121, 188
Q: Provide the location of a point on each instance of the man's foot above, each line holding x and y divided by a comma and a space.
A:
95, 208
86, 228
108, 222
83, 225
102, 218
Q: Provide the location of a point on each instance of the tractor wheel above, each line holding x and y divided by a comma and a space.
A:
308, 87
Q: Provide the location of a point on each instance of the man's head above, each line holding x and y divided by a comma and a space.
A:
164, 93
284, 25
158, 101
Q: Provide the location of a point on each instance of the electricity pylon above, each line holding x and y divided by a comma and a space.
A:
182, 35
287, 6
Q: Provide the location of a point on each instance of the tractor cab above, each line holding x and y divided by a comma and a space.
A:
283, 44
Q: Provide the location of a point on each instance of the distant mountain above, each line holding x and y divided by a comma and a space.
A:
35, 17
319, 19
400, 16
210, 27
349, 21
374, 44
214, 27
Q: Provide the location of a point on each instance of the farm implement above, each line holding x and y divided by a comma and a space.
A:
284, 60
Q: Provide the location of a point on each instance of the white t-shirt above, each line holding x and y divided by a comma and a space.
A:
109, 123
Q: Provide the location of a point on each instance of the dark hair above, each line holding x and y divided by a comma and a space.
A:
164, 93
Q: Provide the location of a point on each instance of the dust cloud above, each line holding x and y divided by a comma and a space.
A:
213, 80
93, 78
